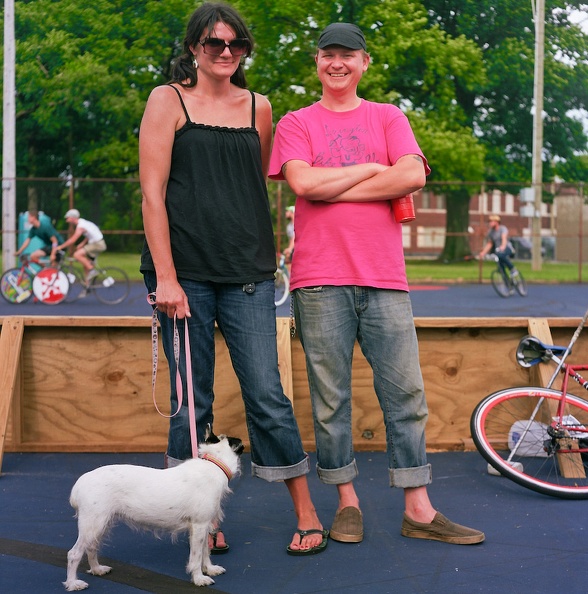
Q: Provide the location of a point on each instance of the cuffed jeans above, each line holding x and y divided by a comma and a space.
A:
247, 322
329, 320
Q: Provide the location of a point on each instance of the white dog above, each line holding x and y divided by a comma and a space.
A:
185, 497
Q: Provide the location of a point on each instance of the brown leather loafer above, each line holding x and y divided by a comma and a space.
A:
441, 529
347, 525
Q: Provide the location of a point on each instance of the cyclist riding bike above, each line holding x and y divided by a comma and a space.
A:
497, 242
91, 245
42, 229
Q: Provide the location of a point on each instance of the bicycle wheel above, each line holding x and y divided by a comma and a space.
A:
501, 283
111, 285
282, 282
77, 283
512, 430
519, 283
50, 286
16, 285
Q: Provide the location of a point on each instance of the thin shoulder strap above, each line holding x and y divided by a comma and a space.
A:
182, 102
252, 109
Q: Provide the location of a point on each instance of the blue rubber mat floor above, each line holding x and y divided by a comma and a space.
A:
534, 543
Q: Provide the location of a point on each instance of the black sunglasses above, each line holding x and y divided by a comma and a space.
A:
213, 46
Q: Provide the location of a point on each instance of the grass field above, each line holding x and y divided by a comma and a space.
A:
421, 271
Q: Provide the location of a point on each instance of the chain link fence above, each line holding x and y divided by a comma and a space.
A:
115, 206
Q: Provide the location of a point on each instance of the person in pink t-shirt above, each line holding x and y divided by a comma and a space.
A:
347, 160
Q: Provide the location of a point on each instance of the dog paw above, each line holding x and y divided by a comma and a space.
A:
202, 580
100, 570
74, 585
214, 570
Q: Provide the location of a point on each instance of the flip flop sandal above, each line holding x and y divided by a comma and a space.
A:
314, 550
215, 549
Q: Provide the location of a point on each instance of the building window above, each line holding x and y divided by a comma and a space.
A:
430, 237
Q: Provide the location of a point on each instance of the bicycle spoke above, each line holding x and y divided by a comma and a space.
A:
77, 285
519, 283
500, 283
111, 285
16, 285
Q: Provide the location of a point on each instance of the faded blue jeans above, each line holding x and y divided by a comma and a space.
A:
329, 320
247, 322
504, 257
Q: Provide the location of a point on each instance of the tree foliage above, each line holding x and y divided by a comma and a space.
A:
82, 71
501, 109
461, 70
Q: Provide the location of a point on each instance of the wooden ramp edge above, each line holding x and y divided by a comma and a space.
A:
570, 465
10, 345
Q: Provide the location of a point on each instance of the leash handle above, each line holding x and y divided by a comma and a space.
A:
151, 299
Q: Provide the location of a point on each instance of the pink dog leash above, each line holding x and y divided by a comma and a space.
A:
151, 299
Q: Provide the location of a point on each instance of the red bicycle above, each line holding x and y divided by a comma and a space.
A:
538, 437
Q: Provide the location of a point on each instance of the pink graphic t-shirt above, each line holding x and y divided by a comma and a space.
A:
345, 243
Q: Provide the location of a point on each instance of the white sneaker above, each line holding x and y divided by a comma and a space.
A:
92, 274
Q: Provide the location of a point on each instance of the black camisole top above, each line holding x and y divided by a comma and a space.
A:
217, 205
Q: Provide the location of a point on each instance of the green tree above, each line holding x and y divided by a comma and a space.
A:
83, 70
499, 107
415, 66
83, 73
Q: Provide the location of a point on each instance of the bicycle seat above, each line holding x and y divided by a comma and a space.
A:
532, 351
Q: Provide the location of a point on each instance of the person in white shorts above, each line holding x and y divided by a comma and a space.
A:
91, 245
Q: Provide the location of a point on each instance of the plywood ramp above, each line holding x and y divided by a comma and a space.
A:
84, 384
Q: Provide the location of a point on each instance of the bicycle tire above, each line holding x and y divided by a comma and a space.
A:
519, 283
500, 283
282, 286
111, 285
16, 285
77, 283
503, 418
50, 286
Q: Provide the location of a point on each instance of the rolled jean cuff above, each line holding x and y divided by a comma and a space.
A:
337, 476
273, 474
407, 478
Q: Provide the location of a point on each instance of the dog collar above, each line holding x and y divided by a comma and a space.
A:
220, 464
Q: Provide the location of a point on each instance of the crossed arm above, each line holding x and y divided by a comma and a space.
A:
367, 182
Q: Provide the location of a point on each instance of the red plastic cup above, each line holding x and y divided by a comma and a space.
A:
403, 209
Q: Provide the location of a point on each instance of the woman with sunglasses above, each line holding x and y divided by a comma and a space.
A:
209, 255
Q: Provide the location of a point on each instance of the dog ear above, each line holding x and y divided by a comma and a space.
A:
236, 445
209, 436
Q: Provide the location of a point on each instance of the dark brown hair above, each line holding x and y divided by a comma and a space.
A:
203, 20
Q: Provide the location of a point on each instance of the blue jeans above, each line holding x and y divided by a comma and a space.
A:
329, 320
248, 324
504, 257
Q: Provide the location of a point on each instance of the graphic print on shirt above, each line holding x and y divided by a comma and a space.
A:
345, 147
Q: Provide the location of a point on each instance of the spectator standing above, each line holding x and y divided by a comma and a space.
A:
347, 159
209, 255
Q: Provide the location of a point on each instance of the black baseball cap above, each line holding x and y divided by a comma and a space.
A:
343, 34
